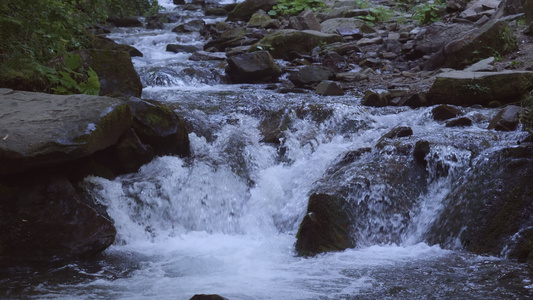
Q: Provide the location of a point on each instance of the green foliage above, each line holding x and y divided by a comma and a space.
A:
35, 32
292, 8
72, 78
377, 14
429, 12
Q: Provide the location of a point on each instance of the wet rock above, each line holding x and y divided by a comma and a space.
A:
459, 122
102, 43
421, 150
244, 10
325, 227
507, 119
528, 11
215, 11
469, 88
191, 26
125, 21
493, 37
329, 88
378, 98
235, 37
489, 209
43, 219
207, 297
309, 75
306, 20
252, 67
415, 100
115, 71
158, 126
281, 43
445, 112
46, 130
397, 132
260, 19
129, 154
178, 48
351, 76
203, 55
156, 22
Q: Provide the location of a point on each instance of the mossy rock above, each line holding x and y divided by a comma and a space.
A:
281, 43
158, 126
326, 226
115, 71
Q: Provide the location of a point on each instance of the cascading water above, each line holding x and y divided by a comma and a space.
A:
224, 221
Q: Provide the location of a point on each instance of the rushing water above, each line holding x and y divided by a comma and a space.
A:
224, 220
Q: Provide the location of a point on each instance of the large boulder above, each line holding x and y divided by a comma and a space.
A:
463, 88
252, 68
244, 10
281, 43
158, 126
493, 39
44, 219
43, 130
327, 226
489, 210
103, 43
115, 71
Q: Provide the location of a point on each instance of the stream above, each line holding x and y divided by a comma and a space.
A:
224, 220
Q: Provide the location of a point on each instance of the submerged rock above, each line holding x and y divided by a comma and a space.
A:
43, 130
43, 219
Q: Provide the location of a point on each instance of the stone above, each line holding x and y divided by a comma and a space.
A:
351, 76
485, 65
459, 122
309, 75
207, 297
244, 10
156, 22
486, 218
44, 219
103, 43
422, 148
329, 88
495, 37
215, 11
282, 42
191, 26
116, 72
378, 98
158, 126
325, 227
506, 119
43, 130
396, 132
238, 36
469, 88
445, 112
204, 55
129, 154
259, 19
253, 67
332, 26
528, 11
369, 41
129, 21
178, 48
306, 20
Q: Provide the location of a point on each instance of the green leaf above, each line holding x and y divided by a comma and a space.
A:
72, 61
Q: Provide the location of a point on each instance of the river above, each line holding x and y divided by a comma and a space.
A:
224, 220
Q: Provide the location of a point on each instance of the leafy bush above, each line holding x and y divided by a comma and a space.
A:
429, 12
72, 78
292, 8
377, 14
